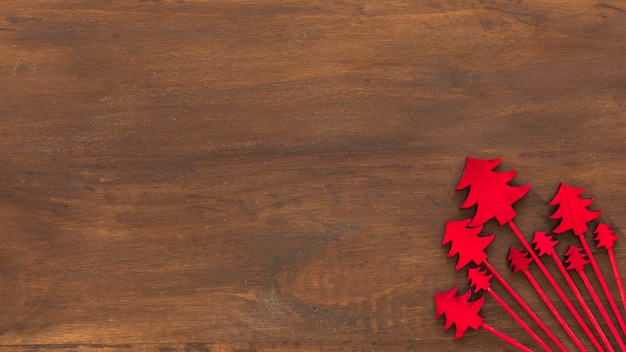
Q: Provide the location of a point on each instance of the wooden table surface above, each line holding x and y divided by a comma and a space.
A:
276, 175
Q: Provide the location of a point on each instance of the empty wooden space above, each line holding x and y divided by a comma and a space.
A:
276, 175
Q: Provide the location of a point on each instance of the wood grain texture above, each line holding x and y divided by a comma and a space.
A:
276, 175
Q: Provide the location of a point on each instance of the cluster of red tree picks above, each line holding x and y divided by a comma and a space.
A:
493, 197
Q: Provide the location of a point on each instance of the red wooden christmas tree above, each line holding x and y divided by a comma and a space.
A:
466, 242
459, 311
489, 191
572, 210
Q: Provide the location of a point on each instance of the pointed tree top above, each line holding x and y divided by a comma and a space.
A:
489, 191
605, 236
544, 243
572, 210
466, 242
519, 260
576, 259
479, 279
459, 310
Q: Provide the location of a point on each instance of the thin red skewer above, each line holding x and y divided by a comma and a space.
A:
618, 277
521, 262
555, 285
606, 239
605, 287
577, 260
480, 280
506, 338
545, 244
525, 306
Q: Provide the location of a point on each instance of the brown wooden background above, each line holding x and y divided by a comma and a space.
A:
275, 175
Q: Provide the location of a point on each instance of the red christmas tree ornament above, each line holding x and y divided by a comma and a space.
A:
544, 245
520, 262
464, 314
466, 242
576, 260
480, 280
572, 210
489, 191
574, 215
606, 239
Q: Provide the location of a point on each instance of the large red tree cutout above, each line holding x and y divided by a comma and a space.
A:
575, 259
466, 242
489, 191
479, 279
544, 243
459, 311
606, 238
572, 210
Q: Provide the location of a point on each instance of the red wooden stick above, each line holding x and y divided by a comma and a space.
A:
480, 280
463, 313
521, 262
545, 244
525, 306
605, 287
576, 260
504, 337
606, 239
554, 284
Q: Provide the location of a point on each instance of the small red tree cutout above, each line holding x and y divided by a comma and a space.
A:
606, 239
572, 210
463, 314
489, 191
575, 259
544, 245
479, 279
466, 242
519, 261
